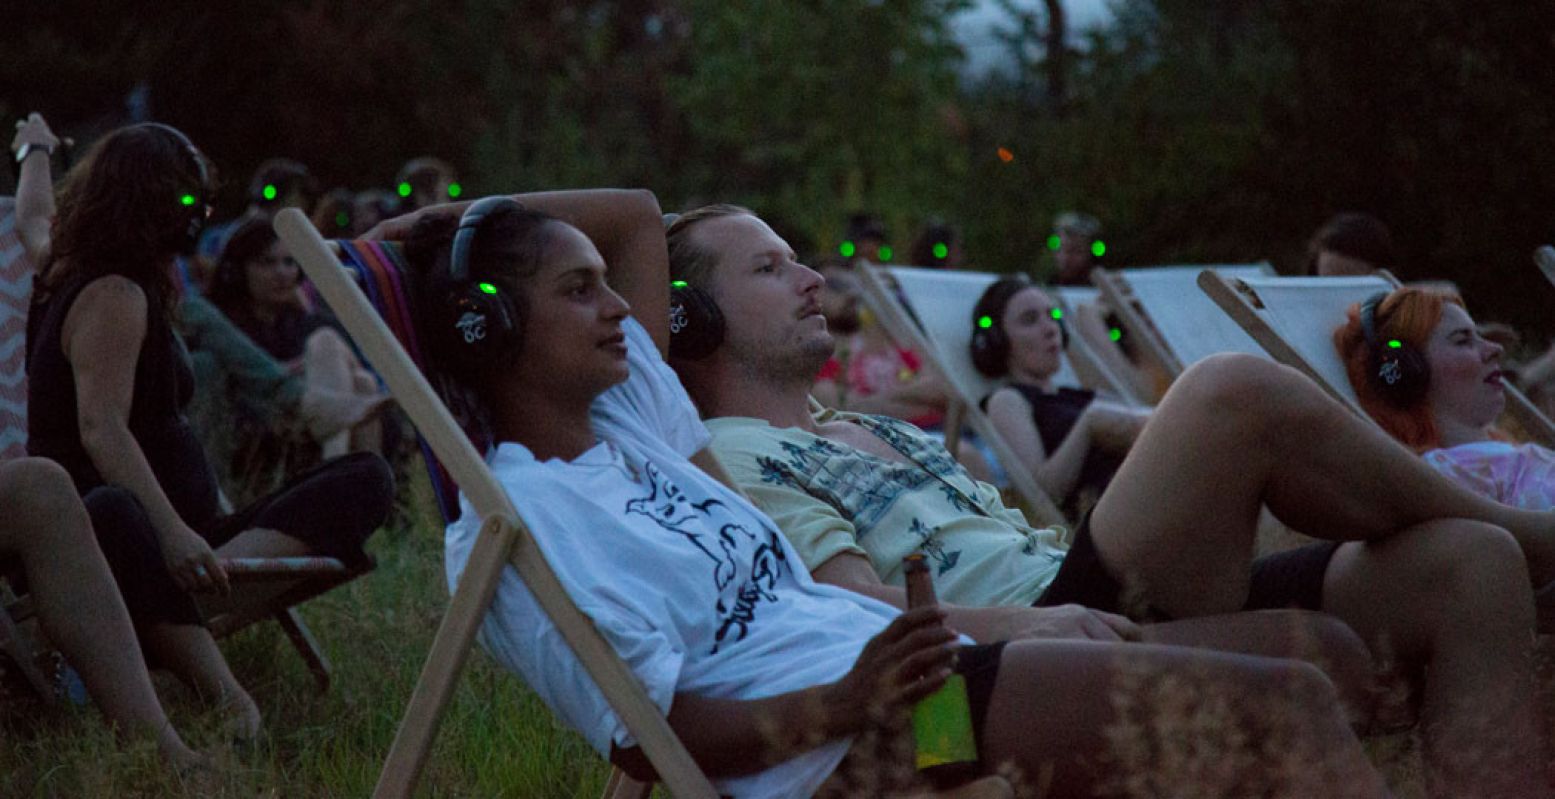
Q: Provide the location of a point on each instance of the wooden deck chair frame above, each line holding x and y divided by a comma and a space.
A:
1092, 370
963, 408
1242, 302
1119, 295
502, 541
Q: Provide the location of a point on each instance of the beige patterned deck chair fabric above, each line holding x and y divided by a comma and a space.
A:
1163, 309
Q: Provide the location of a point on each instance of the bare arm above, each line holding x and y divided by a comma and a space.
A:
903, 663
925, 393
853, 572
35, 190
102, 337
625, 224
1057, 473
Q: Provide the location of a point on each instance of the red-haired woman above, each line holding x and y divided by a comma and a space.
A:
1421, 369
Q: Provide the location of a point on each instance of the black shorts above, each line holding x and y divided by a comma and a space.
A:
979, 665
1289, 579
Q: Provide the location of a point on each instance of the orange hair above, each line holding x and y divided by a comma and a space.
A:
1410, 315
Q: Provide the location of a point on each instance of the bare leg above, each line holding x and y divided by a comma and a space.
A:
1417, 598
1237, 432
189, 652
259, 542
1316, 638
77, 602
329, 365
1080, 718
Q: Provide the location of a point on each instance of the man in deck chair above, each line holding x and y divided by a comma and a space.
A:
1422, 569
777, 685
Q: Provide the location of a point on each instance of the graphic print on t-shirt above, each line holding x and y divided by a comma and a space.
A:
671, 509
668, 506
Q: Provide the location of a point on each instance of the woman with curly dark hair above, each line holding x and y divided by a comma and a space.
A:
108, 383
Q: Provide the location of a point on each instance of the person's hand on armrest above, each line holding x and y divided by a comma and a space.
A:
986, 625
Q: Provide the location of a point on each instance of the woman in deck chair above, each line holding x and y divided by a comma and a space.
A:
1071, 441
108, 383
1423, 371
778, 686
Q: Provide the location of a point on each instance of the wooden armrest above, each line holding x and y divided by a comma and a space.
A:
264, 569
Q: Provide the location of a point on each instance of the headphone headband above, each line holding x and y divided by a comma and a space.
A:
464, 237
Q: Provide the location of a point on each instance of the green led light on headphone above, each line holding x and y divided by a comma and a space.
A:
1098, 248
1057, 313
342, 219
885, 254
985, 322
847, 249
1395, 344
187, 199
940, 250
1054, 242
454, 190
486, 288
404, 189
269, 191
679, 284
1116, 334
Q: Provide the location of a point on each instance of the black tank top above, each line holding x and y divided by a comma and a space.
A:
1054, 415
164, 384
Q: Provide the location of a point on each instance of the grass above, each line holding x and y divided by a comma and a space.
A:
497, 739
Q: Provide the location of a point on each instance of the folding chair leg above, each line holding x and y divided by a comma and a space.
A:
22, 652
621, 786
307, 646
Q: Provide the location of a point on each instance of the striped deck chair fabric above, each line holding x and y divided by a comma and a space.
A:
15, 290
380, 269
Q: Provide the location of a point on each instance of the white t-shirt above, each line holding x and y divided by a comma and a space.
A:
695, 589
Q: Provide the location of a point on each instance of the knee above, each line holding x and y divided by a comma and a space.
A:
372, 484
326, 342
38, 487
1234, 385
1470, 556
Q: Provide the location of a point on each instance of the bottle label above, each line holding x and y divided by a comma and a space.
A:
942, 726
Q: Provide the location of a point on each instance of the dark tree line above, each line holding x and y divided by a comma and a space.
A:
1197, 130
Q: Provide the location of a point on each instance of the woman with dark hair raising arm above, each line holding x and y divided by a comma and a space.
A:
108, 383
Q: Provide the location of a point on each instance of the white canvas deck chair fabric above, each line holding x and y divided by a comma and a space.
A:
943, 301
1163, 309
1545, 258
502, 542
1294, 318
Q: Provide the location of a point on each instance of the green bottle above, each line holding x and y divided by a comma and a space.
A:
941, 721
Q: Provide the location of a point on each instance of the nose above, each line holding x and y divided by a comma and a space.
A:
1493, 350
807, 280
614, 307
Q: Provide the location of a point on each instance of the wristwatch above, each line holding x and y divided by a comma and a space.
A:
29, 148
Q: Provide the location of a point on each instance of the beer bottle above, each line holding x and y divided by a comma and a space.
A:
941, 721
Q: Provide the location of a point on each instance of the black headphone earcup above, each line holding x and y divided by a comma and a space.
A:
1400, 375
478, 329
696, 324
1063, 333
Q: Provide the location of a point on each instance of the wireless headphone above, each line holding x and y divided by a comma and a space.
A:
991, 344
696, 323
478, 324
1398, 372
197, 203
